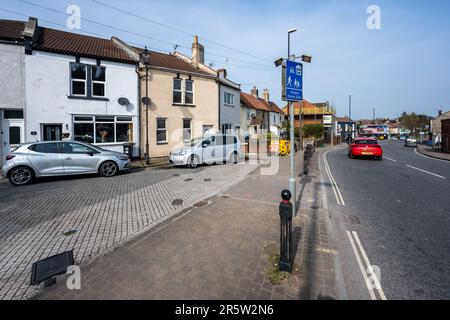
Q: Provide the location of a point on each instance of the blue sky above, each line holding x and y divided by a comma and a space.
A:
402, 67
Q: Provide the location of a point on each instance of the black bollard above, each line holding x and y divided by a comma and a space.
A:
286, 254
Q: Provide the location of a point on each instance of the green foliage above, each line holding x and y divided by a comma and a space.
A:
313, 131
414, 122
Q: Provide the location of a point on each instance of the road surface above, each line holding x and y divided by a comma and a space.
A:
392, 214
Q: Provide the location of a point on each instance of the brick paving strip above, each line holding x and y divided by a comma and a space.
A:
98, 214
219, 250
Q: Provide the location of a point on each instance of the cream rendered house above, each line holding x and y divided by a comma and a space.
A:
184, 101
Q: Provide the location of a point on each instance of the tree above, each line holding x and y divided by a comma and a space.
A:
313, 131
413, 121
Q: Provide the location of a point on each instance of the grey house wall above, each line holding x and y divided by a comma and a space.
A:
230, 113
12, 92
11, 80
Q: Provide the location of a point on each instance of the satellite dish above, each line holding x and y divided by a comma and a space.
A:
146, 101
124, 101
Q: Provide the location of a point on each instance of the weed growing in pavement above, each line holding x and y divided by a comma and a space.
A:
275, 276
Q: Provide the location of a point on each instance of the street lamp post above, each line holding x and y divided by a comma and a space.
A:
350, 115
145, 60
292, 182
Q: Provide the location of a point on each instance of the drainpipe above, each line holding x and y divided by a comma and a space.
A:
218, 85
139, 112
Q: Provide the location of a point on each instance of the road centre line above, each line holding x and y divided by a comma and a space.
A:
393, 160
425, 171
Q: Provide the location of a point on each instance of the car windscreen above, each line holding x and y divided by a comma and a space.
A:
365, 142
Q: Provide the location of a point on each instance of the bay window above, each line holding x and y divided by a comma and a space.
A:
103, 129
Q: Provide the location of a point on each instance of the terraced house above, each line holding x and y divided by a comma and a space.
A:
183, 99
64, 85
71, 86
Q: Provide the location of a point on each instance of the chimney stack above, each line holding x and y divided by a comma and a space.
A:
29, 34
266, 95
198, 53
254, 92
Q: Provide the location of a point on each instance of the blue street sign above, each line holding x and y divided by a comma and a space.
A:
294, 81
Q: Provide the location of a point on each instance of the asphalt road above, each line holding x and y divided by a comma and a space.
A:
394, 214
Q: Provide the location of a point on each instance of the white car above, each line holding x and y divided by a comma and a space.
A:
410, 142
209, 149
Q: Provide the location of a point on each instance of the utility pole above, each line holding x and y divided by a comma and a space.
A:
292, 181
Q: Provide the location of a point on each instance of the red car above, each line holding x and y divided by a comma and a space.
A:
365, 147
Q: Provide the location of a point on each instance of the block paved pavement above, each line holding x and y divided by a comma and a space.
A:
92, 215
220, 250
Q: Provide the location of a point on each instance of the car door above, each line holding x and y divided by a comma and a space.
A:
79, 158
220, 151
46, 158
208, 149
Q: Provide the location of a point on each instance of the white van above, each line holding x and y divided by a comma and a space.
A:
209, 149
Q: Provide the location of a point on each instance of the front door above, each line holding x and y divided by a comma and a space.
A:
13, 135
52, 132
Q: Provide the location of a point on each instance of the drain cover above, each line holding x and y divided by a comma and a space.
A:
201, 204
352, 219
207, 179
70, 232
177, 202
176, 175
188, 179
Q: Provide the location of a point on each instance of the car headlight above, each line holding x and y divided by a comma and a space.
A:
122, 157
182, 153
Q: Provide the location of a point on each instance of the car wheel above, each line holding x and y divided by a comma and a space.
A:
234, 158
380, 158
108, 169
351, 156
193, 162
21, 176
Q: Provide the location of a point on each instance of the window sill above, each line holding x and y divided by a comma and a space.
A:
161, 143
183, 105
228, 105
87, 98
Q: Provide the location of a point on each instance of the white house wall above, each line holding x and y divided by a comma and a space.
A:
47, 87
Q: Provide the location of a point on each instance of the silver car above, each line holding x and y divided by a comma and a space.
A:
57, 158
215, 148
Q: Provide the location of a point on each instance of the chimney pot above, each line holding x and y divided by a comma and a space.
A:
254, 92
266, 95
